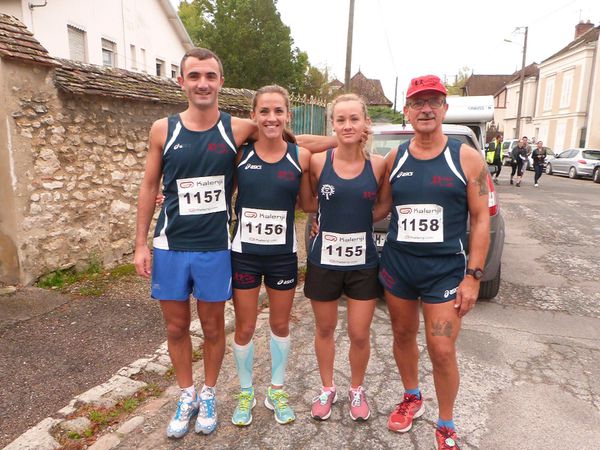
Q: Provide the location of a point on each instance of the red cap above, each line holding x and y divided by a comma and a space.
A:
425, 83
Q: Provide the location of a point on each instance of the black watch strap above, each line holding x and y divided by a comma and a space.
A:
476, 273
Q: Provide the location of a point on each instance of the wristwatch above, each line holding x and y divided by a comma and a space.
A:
476, 273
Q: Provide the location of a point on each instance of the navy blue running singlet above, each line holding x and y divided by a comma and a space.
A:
197, 185
345, 216
265, 203
429, 210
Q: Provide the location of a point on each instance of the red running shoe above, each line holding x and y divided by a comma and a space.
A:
445, 439
402, 417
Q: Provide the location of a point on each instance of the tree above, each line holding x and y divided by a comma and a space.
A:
254, 45
385, 114
459, 83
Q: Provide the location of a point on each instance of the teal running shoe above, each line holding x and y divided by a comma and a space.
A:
276, 401
242, 416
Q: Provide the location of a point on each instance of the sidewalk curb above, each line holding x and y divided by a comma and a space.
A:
120, 386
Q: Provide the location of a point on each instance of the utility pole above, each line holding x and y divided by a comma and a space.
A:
349, 47
396, 96
521, 85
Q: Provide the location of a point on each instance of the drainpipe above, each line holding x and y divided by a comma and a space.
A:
589, 99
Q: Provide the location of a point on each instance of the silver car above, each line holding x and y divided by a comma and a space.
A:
574, 162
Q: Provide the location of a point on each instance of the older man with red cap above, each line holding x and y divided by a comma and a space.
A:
438, 184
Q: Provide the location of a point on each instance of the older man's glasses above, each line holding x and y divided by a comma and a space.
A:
434, 103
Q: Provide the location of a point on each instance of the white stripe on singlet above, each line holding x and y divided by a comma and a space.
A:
175, 134
225, 137
290, 159
452, 166
247, 158
401, 162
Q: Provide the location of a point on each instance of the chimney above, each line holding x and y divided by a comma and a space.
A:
582, 28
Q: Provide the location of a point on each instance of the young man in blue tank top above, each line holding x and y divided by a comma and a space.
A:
194, 153
436, 183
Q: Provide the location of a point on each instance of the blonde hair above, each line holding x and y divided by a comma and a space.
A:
356, 98
288, 135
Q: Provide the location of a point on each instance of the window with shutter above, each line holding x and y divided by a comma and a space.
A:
76, 44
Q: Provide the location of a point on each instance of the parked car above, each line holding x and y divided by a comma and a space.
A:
574, 162
596, 173
388, 137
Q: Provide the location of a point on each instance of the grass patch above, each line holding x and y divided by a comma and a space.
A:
196, 354
89, 282
102, 418
123, 271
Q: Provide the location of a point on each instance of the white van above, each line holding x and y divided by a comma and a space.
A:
474, 111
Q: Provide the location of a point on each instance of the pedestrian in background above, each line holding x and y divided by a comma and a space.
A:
519, 160
494, 156
539, 162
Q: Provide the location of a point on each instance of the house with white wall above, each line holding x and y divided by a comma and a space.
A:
567, 108
138, 35
507, 103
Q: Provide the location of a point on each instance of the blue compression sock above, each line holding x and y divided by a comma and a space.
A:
244, 361
446, 423
416, 392
280, 349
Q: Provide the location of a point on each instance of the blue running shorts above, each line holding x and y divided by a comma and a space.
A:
176, 274
432, 279
280, 271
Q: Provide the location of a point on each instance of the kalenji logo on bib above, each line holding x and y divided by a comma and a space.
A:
405, 210
329, 237
186, 184
327, 190
250, 214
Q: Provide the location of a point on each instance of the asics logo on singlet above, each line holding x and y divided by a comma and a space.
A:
404, 174
253, 166
177, 146
449, 292
327, 190
281, 282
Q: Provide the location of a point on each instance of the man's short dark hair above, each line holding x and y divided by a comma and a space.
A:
201, 54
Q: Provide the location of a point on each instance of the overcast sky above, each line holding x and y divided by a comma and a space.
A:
397, 38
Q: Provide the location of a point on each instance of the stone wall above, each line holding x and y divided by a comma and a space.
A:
77, 161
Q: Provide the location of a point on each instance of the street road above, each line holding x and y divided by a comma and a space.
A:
551, 256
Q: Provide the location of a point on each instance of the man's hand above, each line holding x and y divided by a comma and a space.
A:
466, 295
143, 261
160, 199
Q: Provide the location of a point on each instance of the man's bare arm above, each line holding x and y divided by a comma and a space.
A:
147, 196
